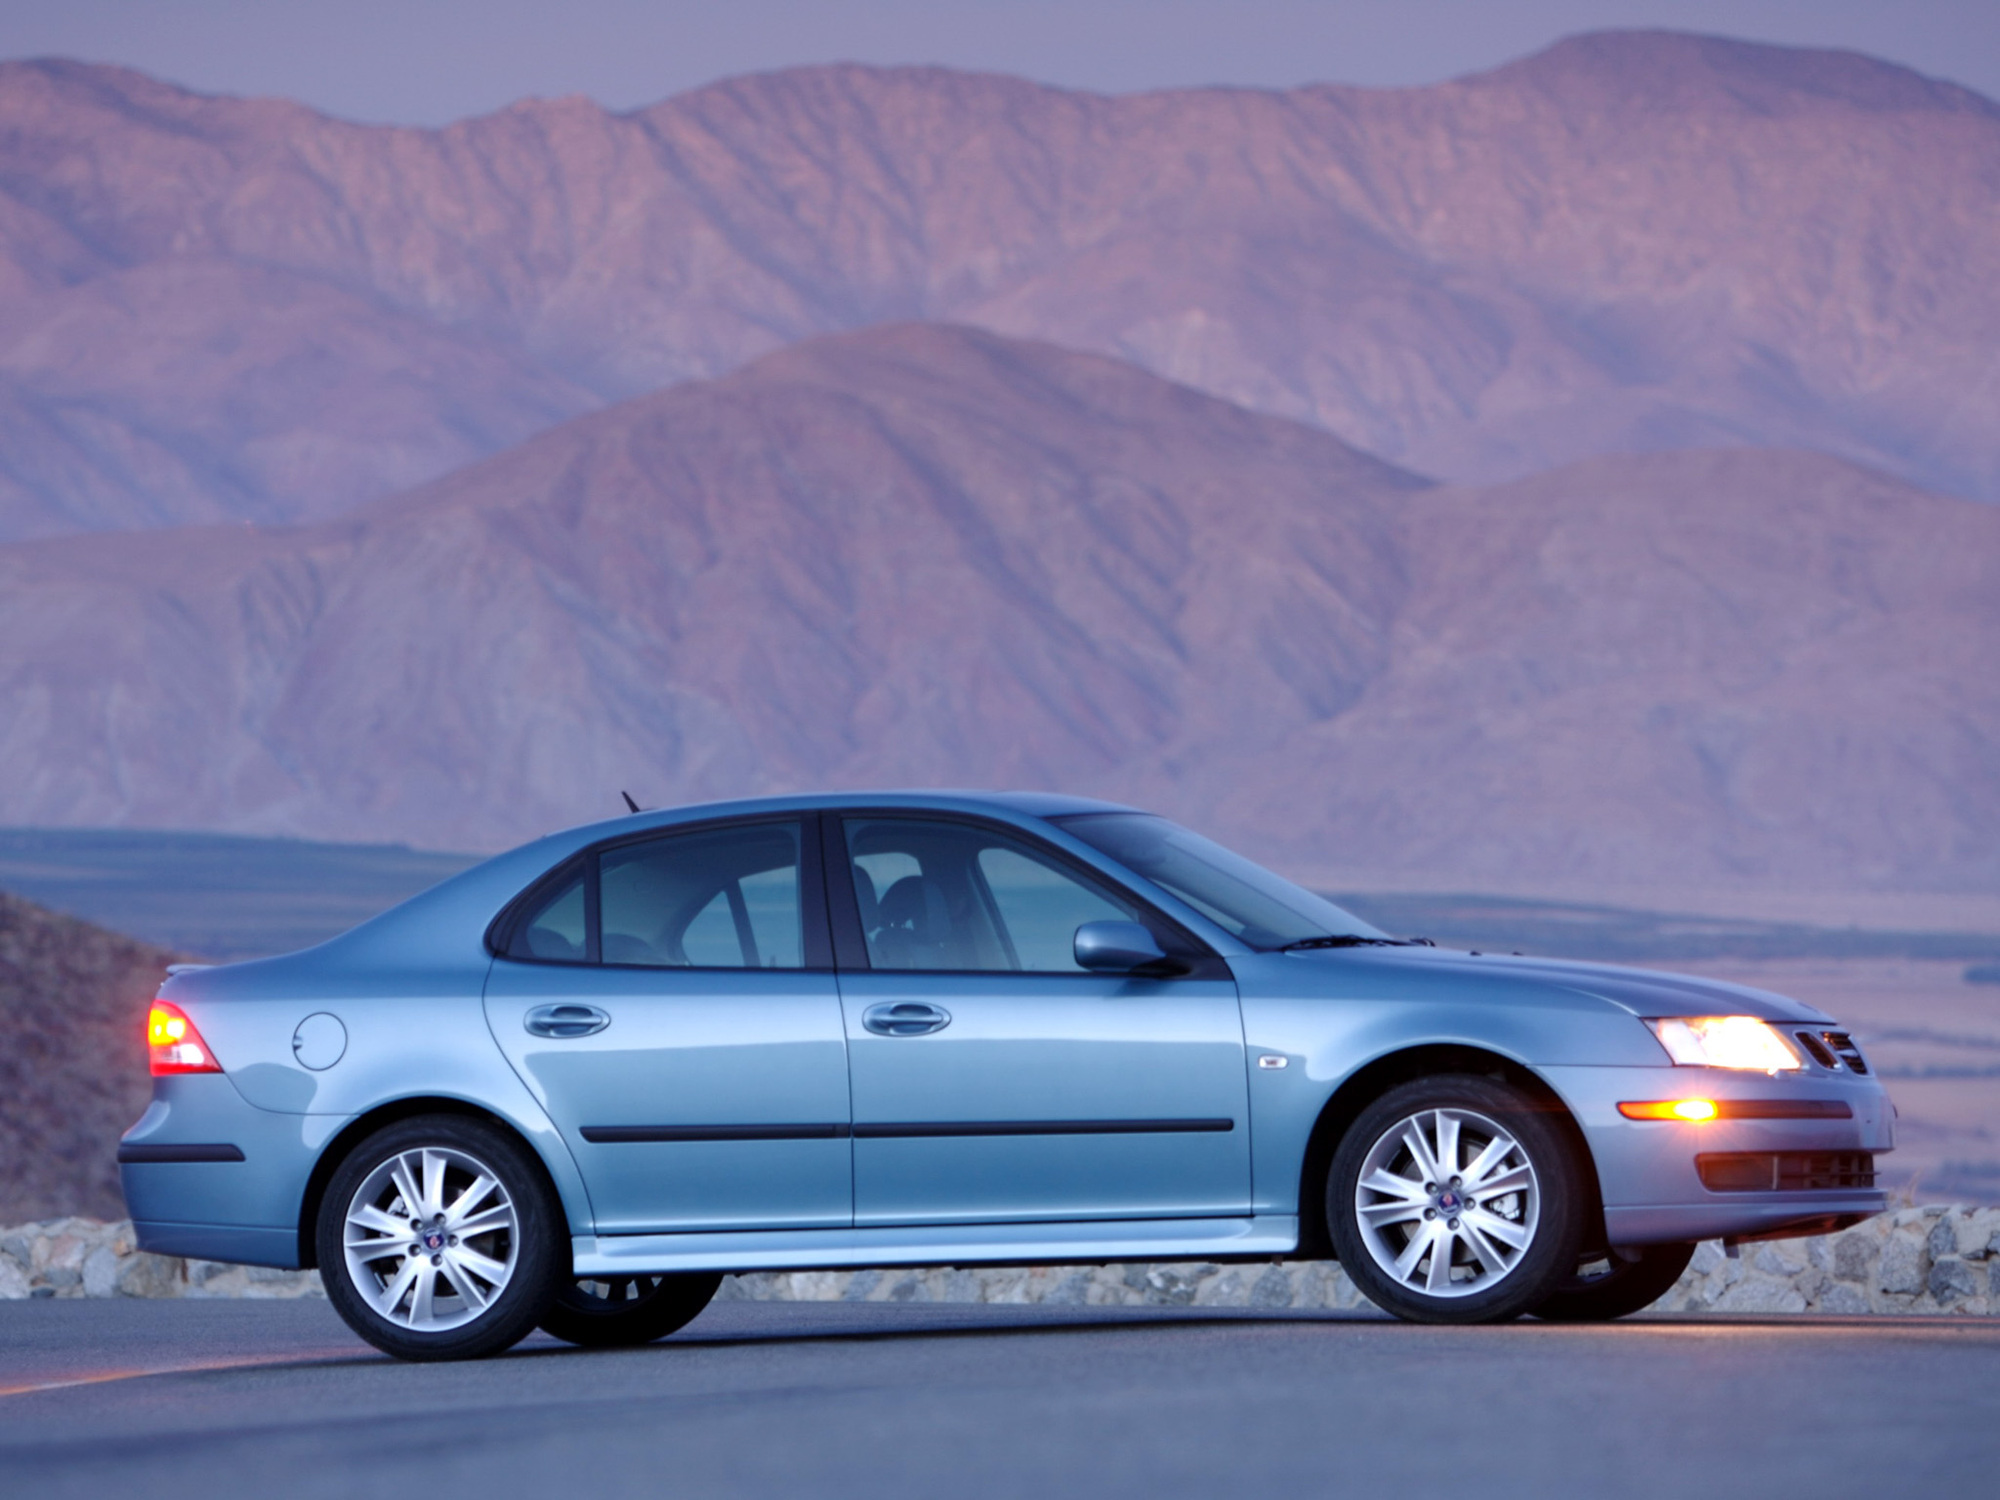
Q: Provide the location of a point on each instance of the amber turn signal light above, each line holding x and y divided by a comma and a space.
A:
1670, 1109
173, 1045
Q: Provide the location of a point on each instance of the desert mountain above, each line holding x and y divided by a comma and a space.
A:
73, 1074
221, 308
922, 554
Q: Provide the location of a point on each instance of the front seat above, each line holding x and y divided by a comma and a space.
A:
915, 931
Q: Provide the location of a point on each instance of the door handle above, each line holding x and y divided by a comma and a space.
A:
566, 1020
905, 1018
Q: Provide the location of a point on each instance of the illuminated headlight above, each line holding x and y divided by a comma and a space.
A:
1725, 1042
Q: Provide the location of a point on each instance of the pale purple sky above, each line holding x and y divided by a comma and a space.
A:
428, 61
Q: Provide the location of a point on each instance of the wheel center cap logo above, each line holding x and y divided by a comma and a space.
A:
1448, 1201
434, 1239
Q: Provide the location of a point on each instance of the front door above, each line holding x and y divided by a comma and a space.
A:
671, 1003
993, 1078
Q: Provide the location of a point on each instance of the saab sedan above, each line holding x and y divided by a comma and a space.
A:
577, 1084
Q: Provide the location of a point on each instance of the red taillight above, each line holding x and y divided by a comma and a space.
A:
173, 1045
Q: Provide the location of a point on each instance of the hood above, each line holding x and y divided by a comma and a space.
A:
1643, 992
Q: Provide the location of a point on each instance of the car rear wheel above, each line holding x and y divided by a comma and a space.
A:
438, 1238
604, 1312
1611, 1285
1455, 1199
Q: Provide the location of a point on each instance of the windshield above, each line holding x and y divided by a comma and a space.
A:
1247, 901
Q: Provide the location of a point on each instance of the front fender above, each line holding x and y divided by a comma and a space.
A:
1365, 1012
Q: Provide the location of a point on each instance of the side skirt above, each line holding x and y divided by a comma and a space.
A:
1260, 1238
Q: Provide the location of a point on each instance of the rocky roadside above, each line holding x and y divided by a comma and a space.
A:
1941, 1258
73, 1001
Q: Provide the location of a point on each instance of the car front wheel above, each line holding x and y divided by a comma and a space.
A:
438, 1239
1455, 1199
1614, 1284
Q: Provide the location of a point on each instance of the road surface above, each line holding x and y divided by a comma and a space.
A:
165, 1399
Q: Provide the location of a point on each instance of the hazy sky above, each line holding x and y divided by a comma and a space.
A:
426, 61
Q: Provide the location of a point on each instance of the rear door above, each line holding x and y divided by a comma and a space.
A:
994, 1079
671, 1002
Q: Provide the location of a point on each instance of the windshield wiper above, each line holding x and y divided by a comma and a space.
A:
1347, 940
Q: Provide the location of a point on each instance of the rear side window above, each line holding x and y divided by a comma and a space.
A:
725, 898
556, 930
718, 898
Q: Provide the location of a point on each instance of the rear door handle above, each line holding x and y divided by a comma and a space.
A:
566, 1020
905, 1018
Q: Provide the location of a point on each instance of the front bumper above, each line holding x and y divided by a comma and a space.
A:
1647, 1170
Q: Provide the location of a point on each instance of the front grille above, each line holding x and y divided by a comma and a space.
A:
1821, 1053
1832, 1049
1785, 1171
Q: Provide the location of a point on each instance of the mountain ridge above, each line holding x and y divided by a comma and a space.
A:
929, 555
1855, 76
1626, 242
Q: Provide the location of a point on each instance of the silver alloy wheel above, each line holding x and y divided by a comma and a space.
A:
614, 1293
1447, 1202
431, 1239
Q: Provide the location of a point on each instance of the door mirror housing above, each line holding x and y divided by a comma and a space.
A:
1121, 948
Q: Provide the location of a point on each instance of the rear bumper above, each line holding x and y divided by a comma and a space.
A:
242, 1244
1652, 1187
208, 1174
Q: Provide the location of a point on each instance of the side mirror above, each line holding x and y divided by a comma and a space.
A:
1118, 948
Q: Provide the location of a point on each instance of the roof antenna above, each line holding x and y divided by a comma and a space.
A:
630, 803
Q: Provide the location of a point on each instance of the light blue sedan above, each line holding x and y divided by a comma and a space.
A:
575, 1085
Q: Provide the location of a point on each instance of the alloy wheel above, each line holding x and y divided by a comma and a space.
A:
610, 1294
431, 1238
1447, 1201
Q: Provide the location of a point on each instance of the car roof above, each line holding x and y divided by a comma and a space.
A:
943, 799
464, 905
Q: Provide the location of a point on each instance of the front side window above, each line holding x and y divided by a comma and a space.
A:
956, 896
717, 898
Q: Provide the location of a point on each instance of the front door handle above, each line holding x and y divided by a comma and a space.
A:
566, 1020
905, 1018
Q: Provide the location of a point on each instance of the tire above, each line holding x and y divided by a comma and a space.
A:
405, 1282
1388, 1211
1607, 1287
601, 1313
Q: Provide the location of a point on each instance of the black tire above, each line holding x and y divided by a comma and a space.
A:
1610, 1286
517, 1228
1503, 1255
610, 1312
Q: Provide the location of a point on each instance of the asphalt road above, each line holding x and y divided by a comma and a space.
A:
164, 1399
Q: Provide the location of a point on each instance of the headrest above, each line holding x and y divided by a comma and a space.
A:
917, 904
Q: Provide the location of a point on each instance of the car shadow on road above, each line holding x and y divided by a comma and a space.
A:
730, 1324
